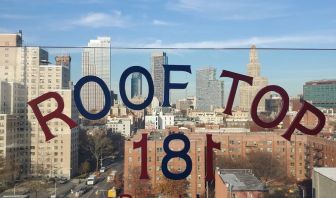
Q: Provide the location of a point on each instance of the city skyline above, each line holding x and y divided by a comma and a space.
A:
265, 24
83, 82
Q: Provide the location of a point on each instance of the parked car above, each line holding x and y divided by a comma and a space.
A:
82, 191
63, 180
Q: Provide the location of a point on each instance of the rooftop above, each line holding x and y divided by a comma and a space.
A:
318, 82
241, 180
327, 172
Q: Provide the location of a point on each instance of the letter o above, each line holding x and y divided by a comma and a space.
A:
122, 90
78, 101
281, 115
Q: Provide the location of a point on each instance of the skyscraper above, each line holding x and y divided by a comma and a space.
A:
136, 85
14, 132
59, 156
96, 61
248, 92
27, 75
209, 90
158, 60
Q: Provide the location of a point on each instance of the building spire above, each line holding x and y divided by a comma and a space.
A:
253, 54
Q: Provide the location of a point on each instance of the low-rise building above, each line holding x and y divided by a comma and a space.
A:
207, 117
159, 120
324, 182
122, 125
238, 183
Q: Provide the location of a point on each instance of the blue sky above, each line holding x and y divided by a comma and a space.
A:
187, 23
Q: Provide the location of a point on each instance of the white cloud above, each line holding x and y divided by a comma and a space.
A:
232, 10
162, 23
279, 41
100, 19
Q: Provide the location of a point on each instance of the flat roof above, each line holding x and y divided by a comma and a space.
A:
327, 172
241, 180
318, 82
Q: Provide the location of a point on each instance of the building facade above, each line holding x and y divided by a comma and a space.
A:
248, 92
155, 155
158, 60
59, 156
122, 125
96, 61
324, 182
209, 90
238, 183
14, 132
136, 85
321, 93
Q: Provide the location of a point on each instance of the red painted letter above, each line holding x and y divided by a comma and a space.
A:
209, 157
236, 78
296, 122
142, 144
55, 114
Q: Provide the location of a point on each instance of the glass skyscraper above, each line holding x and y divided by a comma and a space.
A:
136, 85
209, 90
96, 61
158, 60
320, 93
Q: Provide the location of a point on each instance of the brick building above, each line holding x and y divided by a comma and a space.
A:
297, 156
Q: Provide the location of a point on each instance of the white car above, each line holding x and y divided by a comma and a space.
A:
102, 169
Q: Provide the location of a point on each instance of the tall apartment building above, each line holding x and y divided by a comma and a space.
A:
158, 60
321, 93
209, 90
248, 92
136, 85
154, 157
96, 61
14, 133
59, 156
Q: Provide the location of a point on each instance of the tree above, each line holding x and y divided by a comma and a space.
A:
172, 188
97, 143
138, 187
263, 165
9, 171
119, 181
266, 167
85, 167
36, 186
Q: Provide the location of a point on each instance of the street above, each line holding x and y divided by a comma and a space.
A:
64, 190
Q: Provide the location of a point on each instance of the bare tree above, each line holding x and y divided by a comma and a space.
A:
36, 186
138, 187
97, 143
263, 164
85, 167
172, 188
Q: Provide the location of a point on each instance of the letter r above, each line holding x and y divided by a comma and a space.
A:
55, 114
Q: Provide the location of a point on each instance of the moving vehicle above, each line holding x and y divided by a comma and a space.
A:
82, 191
111, 176
91, 180
102, 169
